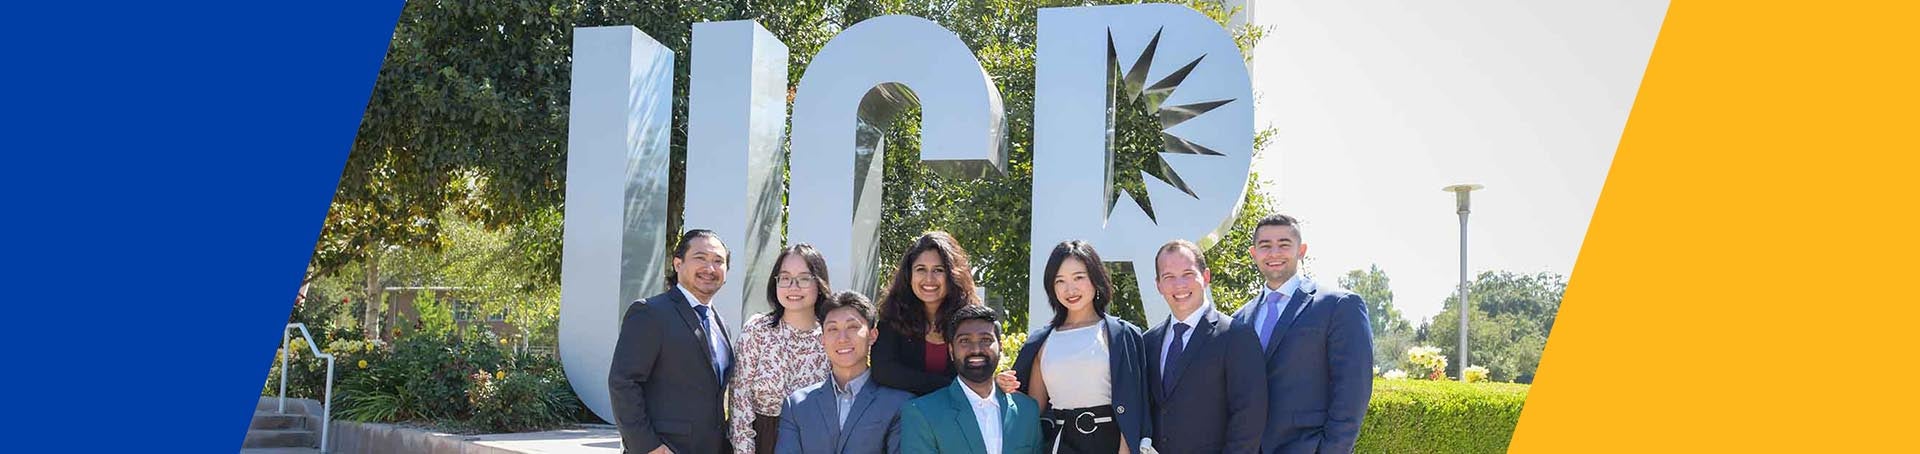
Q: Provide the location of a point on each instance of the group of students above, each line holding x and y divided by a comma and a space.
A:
829, 372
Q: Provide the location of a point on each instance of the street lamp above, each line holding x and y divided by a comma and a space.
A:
1462, 200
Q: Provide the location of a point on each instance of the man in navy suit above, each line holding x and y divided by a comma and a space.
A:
671, 363
1208, 396
848, 413
1317, 344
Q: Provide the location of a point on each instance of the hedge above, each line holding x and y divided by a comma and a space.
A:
1422, 416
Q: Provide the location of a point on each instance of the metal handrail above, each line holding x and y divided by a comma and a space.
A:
326, 416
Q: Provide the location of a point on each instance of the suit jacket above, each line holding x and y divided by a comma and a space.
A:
810, 421
664, 386
1124, 355
942, 422
899, 362
1319, 371
1212, 399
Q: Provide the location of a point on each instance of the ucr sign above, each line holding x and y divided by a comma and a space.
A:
1184, 66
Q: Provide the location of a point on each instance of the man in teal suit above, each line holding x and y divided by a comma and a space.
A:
972, 416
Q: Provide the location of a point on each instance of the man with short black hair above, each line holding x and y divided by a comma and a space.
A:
670, 366
1317, 345
848, 413
1209, 397
973, 415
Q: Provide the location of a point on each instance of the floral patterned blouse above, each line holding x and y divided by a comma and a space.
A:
772, 362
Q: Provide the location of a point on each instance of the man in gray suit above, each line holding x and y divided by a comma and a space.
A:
848, 413
670, 366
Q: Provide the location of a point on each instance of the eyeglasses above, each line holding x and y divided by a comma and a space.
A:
791, 282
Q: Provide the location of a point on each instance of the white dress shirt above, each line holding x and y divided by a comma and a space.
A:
986, 413
1186, 339
716, 339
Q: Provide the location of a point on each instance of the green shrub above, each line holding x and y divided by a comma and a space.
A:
1421, 416
465, 383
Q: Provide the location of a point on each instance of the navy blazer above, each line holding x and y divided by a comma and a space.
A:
810, 421
1211, 399
1319, 371
1125, 353
662, 382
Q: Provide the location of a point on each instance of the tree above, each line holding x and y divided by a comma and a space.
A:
1392, 334
469, 114
1512, 316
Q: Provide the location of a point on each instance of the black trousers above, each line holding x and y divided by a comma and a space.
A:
1090, 430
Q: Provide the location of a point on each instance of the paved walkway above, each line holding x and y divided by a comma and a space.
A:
583, 440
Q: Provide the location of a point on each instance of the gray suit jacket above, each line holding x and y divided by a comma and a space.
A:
810, 421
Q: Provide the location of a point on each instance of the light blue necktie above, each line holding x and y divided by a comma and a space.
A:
713, 349
1269, 316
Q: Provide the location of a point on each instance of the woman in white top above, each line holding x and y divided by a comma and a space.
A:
1091, 384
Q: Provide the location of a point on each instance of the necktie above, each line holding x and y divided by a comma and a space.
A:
1169, 375
705, 324
1269, 315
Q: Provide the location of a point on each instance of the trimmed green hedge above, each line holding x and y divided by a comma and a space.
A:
1422, 416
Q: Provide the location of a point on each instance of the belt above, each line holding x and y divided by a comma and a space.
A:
1084, 420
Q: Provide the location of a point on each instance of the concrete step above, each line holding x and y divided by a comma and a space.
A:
281, 438
267, 419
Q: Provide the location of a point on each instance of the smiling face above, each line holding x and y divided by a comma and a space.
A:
794, 285
975, 350
1277, 252
929, 278
703, 269
847, 338
1180, 281
1073, 287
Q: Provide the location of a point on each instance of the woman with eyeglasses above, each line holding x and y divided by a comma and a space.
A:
779, 351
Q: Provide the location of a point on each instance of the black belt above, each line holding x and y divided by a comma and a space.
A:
1085, 420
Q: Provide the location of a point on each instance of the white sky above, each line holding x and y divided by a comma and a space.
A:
1380, 103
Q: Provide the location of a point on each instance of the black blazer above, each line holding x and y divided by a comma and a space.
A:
1125, 353
899, 362
1216, 398
664, 388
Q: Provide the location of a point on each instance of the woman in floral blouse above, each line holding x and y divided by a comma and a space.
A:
779, 351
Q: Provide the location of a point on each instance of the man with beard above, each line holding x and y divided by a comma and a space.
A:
972, 416
1317, 345
670, 365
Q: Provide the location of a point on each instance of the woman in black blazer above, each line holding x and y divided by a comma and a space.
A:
933, 280
1086, 368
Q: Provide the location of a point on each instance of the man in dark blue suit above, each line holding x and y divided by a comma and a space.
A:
671, 363
1208, 395
847, 413
1317, 344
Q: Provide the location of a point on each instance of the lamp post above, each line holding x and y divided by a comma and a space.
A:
1462, 199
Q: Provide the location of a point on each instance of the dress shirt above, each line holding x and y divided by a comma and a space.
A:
1192, 321
843, 395
716, 339
986, 413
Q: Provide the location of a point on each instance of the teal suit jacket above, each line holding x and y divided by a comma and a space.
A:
942, 422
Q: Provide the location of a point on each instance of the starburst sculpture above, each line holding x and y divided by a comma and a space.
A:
1134, 114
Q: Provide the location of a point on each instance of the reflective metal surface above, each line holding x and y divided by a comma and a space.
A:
737, 122
857, 82
1194, 78
615, 235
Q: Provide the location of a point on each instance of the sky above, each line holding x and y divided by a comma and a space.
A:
1379, 104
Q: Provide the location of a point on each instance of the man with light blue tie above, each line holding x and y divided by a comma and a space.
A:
1317, 345
671, 363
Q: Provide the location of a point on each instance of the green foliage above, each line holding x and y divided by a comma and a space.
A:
1512, 316
464, 382
1392, 334
1420, 416
436, 318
